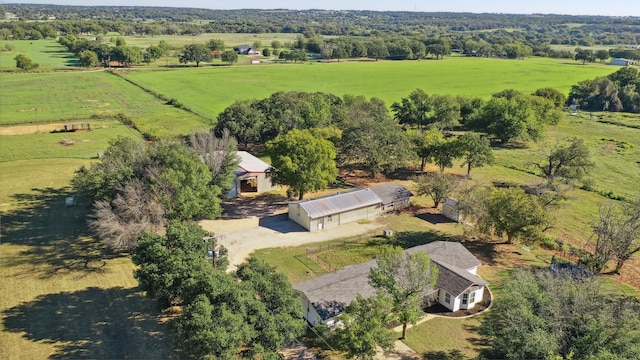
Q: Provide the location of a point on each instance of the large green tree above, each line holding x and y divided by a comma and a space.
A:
541, 315
23, 62
302, 162
195, 53
568, 162
475, 151
243, 120
168, 264
509, 118
422, 110
378, 146
405, 279
365, 327
436, 185
252, 317
515, 213
229, 56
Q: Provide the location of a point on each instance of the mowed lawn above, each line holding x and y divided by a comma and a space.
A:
211, 89
83, 96
62, 294
47, 53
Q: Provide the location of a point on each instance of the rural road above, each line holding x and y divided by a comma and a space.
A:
242, 236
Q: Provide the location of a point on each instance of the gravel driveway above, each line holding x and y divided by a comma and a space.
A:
243, 236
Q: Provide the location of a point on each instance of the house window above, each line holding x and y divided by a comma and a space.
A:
465, 299
330, 218
447, 298
472, 297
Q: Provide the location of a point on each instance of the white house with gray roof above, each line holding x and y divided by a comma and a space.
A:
348, 206
458, 286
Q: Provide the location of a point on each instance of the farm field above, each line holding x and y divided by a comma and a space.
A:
62, 295
47, 53
85, 96
230, 39
79, 144
210, 90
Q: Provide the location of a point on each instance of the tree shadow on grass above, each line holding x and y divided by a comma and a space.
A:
93, 324
56, 236
444, 355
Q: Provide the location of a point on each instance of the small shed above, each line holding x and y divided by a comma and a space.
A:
393, 196
622, 62
251, 176
450, 209
335, 209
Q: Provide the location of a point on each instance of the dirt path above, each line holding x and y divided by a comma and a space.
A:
30, 129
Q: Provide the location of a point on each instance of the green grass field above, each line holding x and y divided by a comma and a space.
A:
64, 97
62, 294
80, 144
211, 89
230, 39
47, 53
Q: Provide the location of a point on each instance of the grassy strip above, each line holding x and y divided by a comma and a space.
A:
79, 144
210, 90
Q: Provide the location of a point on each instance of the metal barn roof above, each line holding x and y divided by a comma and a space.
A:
338, 203
251, 164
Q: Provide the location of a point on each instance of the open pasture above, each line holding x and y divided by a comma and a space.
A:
79, 144
230, 39
84, 96
211, 89
62, 294
47, 53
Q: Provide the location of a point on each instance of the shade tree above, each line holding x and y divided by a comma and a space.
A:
404, 279
374, 145
475, 151
568, 162
302, 162
195, 53
436, 185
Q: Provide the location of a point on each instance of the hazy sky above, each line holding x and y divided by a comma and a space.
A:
574, 7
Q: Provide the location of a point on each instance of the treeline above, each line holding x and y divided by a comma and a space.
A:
560, 29
619, 91
536, 30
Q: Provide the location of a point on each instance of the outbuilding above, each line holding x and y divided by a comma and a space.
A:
450, 209
251, 176
393, 196
458, 286
335, 209
622, 62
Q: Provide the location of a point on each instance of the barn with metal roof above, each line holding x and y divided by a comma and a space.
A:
335, 209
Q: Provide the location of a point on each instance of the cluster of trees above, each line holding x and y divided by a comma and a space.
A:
137, 187
504, 28
94, 52
588, 55
249, 313
541, 315
619, 91
23, 62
